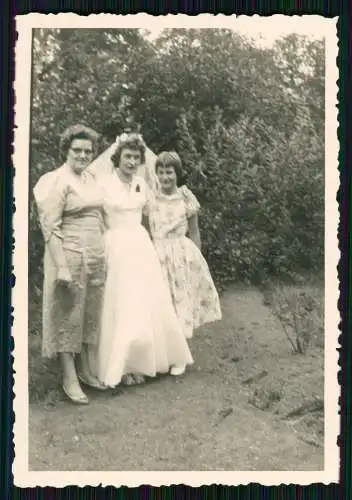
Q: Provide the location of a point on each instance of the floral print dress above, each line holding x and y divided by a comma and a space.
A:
193, 292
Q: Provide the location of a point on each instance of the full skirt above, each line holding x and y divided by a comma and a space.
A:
140, 330
193, 292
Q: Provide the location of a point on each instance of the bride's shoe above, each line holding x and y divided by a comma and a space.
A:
178, 370
138, 378
128, 380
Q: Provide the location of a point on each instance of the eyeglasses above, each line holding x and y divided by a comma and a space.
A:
78, 151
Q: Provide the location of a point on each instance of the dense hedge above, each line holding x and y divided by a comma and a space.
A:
250, 118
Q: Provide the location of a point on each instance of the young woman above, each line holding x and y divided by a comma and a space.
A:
173, 223
70, 213
140, 333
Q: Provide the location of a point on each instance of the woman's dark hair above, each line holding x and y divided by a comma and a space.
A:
128, 140
172, 159
77, 132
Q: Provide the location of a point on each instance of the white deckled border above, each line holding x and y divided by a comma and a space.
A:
255, 26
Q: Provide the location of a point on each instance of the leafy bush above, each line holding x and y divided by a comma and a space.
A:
249, 126
301, 315
262, 199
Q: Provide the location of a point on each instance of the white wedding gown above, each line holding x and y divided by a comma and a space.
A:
140, 331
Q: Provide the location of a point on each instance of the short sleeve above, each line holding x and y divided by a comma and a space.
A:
50, 196
192, 204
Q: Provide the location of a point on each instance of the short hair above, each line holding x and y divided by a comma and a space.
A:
77, 132
129, 140
172, 159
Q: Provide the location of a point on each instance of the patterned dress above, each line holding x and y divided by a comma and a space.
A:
193, 292
70, 207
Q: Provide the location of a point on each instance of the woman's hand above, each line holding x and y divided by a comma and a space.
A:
64, 276
64, 291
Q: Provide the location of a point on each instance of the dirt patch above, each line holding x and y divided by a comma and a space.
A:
248, 403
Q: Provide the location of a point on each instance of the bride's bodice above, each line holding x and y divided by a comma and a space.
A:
123, 205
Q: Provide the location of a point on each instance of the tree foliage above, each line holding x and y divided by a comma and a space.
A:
250, 118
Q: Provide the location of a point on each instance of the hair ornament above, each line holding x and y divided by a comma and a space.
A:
128, 136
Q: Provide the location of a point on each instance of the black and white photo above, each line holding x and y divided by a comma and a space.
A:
176, 221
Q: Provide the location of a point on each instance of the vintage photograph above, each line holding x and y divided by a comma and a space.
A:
176, 197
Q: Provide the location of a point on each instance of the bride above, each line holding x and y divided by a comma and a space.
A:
140, 334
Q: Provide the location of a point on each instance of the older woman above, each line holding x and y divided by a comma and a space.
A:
70, 214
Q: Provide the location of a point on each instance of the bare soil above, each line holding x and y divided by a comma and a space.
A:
248, 403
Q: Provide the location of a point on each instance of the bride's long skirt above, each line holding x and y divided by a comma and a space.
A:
140, 331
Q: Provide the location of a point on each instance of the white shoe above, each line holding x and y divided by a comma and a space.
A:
79, 398
178, 370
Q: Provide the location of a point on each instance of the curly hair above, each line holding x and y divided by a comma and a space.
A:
170, 159
77, 132
132, 141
